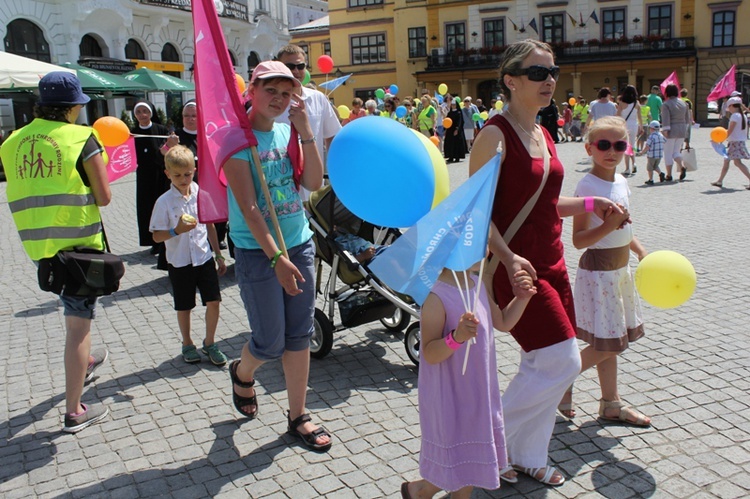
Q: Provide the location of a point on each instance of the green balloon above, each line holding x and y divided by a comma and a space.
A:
380, 93
306, 79
476, 117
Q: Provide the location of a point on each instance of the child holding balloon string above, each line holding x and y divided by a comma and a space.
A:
735, 137
463, 449
607, 306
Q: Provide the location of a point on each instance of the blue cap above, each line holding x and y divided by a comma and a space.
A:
60, 88
654, 124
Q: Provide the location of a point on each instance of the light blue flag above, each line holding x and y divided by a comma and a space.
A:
452, 235
332, 85
720, 149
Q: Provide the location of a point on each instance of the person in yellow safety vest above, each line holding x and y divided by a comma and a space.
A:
56, 181
427, 118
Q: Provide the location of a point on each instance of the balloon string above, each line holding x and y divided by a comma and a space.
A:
136, 135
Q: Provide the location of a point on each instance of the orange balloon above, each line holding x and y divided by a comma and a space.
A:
241, 85
447, 122
435, 140
112, 131
572, 101
719, 134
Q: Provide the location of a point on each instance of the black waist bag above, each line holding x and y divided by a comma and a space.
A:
81, 272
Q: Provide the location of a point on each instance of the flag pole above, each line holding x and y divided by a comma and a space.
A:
269, 201
476, 299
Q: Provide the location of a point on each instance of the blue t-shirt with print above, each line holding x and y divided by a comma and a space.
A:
272, 149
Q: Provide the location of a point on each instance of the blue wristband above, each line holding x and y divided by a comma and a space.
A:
172, 232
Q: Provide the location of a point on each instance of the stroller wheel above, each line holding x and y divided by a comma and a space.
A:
321, 341
396, 322
412, 340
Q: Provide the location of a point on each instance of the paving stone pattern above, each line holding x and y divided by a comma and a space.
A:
173, 432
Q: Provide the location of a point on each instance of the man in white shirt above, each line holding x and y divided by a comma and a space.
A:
323, 118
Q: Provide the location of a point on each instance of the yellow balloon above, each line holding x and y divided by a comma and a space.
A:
442, 182
499, 105
344, 112
442, 89
719, 134
484, 115
665, 279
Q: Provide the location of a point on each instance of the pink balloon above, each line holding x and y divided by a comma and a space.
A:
325, 64
560, 122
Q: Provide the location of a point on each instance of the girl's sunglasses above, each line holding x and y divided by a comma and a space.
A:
539, 73
605, 145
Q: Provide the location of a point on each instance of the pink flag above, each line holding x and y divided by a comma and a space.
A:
121, 160
223, 126
724, 87
670, 80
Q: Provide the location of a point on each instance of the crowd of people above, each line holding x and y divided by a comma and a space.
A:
527, 290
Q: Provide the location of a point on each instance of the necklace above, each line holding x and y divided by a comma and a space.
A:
530, 135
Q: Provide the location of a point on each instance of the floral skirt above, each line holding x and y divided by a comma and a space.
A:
737, 149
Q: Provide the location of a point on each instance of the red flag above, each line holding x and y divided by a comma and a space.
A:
669, 80
223, 126
121, 160
724, 87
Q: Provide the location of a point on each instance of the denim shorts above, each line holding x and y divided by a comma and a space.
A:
279, 322
79, 306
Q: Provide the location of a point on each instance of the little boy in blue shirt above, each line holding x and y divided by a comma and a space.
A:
654, 150
188, 246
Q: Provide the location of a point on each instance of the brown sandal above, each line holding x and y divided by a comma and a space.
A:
238, 400
625, 411
309, 439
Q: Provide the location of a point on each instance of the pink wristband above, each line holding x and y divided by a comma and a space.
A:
451, 342
588, 202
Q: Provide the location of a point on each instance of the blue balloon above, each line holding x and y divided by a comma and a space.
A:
400, 112
393, 89
440, 99
381, 172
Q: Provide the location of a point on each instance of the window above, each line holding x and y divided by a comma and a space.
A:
26, 39
417, 42
494, 32
133, 50
262, 7
365, 94
364, 3
368, 49
306, 50
613, 23
232, 58
89, 47
455, 36
553, 28
723, 29
660, 20
327, 48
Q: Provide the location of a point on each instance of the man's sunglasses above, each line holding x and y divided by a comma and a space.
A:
539, 73
604, 145
300, 67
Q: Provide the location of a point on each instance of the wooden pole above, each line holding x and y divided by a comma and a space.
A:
269, 201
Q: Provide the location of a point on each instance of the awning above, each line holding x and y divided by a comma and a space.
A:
18, 73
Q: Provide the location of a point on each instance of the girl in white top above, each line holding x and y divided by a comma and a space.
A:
629, 109
608, 311
736, 137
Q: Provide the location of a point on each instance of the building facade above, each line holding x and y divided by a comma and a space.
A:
419, 44
121, 35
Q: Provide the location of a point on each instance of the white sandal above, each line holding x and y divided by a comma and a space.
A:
508, 479
549, 473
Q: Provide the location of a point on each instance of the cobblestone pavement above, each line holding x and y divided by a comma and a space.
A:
173, 432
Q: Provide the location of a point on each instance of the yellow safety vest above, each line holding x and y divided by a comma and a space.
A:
427, 122
52, 208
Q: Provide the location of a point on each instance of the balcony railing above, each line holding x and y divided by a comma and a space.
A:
592, 50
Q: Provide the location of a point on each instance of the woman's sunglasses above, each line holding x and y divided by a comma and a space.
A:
604, 145
300, 67
539, 73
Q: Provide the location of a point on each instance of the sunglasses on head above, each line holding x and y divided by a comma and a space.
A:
605, 145
539, 73
301, 66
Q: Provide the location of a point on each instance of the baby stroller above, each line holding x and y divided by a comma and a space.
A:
360, 296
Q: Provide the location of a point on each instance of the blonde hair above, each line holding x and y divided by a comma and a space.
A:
291, 50
179, 157
613, 123
513, 59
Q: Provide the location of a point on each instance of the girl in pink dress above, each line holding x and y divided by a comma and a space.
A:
461, 416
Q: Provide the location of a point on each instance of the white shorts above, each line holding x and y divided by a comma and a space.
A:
469, 133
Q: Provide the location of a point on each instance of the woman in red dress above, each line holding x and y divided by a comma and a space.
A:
549, 359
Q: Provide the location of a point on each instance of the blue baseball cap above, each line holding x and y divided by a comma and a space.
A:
60, 88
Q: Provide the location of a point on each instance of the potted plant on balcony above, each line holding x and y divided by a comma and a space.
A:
638, 39
623, 40
460, 54
484, 50
578, 43
593, 42
609, 41
654, 38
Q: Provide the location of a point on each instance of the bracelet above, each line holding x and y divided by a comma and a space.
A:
308, 141
173, 232
165, 147
219, 257
588, 202
451, 341
275, 259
